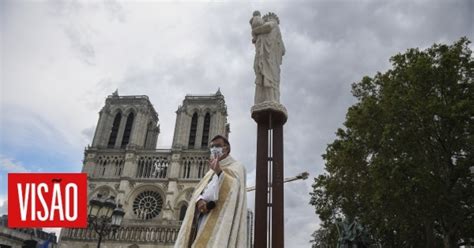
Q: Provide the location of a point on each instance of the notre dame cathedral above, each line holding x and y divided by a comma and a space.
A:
154, 186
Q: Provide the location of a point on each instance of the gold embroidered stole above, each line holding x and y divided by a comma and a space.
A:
209, 225
187, 224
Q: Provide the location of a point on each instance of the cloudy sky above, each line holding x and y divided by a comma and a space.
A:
59, 60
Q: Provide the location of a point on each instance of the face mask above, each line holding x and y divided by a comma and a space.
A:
216, 152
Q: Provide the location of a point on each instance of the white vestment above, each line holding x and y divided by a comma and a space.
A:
210, 193
226, 224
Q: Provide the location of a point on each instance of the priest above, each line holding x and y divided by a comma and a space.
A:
217, 212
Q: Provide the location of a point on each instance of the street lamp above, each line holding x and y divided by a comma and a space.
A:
105, 216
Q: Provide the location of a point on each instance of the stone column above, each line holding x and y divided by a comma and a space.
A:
147, 143
99, 130
123, 122
200, 127
176, 136
103, 131
89, 163
156, 134
135, 129
106, 131
173, 169
130, 165
219, 123
123, 187
185, 129
172, 191
139, 130
212, 126
143, 131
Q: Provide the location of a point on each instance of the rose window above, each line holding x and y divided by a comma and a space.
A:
147, 205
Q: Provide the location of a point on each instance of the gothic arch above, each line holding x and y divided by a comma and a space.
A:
127, 131
193, 130
180, 210
148, 130
183, 196
112, 164
129, 110
114, 128
206, 130
192, 111
103, 188
115, 109
207, 110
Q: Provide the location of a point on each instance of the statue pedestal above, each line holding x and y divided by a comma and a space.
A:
269, 214
261, 112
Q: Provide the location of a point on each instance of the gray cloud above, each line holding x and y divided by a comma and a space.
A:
89, 133
78, 37
115, 10
168, 50
76, 29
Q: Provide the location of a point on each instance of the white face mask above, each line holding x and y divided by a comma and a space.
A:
216, 152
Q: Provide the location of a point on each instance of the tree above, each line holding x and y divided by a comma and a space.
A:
325, 237
402, 165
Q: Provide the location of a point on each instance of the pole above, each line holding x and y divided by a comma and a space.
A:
261, 186
269, 207
277, 188
100, 240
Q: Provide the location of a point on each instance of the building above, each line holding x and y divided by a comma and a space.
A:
154, 185
24, 237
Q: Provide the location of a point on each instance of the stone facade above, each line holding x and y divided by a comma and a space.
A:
24, 237
154, 185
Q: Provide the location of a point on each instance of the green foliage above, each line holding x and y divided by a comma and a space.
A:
401, 166
324, 237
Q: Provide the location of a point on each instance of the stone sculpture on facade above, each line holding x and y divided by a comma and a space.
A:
269, 50
351, 234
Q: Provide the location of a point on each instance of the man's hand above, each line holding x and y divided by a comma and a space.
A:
215, 166
201, 205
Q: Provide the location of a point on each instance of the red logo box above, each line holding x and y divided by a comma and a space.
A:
47, 200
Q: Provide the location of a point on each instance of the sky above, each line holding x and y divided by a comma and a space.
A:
59, 60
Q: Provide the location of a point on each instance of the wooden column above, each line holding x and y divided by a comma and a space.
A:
261, 186
277, 188
269, 212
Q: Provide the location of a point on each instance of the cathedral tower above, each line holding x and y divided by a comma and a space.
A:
127, 121
199, 119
